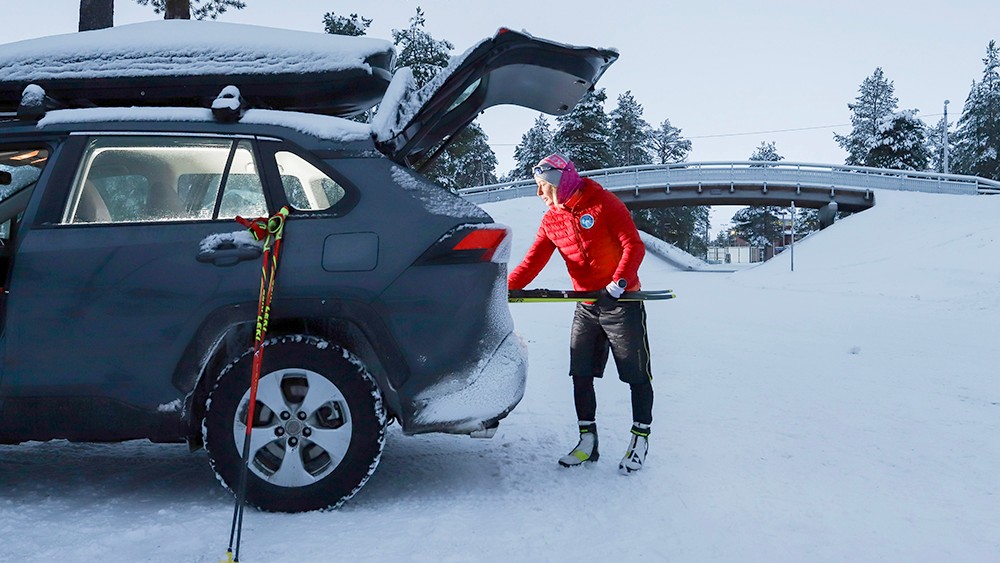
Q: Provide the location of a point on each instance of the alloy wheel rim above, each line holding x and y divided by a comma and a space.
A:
302, 427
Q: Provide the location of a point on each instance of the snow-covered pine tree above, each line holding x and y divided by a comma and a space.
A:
535, 145
419, 51
901, 143
977, 140
584, 133
760, 226
668, 144
185, 9
354, 26
755, 223
469, 161
935, 145
875, 101
806, 221
630, 133
766, 152
681, 226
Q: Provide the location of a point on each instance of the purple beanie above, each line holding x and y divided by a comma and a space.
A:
560, 172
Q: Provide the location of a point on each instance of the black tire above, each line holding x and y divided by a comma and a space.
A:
337, 443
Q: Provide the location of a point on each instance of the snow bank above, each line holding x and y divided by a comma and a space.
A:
922, 246
671, 253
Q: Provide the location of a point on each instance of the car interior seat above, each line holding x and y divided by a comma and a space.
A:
163, 202
91, 208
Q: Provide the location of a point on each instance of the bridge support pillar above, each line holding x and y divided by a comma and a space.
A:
827, 214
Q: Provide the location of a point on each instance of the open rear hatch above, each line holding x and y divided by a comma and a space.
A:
510, 68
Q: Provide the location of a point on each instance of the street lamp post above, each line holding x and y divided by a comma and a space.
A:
944, 141
708, 240
792, 242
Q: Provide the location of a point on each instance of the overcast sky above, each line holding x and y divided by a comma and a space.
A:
730, 74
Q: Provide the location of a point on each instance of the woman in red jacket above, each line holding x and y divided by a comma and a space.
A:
596, 237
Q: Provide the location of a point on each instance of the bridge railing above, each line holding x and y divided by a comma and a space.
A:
753, 172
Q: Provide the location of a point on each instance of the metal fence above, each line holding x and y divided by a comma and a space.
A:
798, 174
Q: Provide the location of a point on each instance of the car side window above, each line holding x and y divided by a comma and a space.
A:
19, 170
128, 179
307, 188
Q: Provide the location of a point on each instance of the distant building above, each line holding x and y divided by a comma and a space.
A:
739, 252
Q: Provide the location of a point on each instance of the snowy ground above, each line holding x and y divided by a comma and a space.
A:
846, 411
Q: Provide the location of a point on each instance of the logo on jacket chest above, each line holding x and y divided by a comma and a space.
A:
587, 221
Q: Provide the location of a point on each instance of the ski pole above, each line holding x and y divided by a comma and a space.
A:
266, 229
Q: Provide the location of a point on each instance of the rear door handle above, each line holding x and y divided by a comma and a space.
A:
229, 255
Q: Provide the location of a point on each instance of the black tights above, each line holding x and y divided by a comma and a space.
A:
585, 399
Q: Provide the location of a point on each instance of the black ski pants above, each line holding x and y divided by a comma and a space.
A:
620, 330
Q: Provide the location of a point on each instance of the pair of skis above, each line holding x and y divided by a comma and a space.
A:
560, 295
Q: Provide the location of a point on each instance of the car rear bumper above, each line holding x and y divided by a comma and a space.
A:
475, 400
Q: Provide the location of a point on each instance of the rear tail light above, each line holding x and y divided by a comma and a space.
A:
468, 244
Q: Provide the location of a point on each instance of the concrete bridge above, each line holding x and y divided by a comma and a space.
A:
828, 188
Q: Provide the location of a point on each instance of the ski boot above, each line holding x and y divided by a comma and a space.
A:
637, 447
586, 448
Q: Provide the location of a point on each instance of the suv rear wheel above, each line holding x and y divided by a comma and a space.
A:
318, 429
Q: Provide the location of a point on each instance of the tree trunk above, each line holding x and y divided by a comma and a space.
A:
177, 10
96, 14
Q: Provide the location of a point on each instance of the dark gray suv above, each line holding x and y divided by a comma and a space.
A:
129, 294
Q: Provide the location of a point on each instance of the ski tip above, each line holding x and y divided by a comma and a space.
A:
229, 557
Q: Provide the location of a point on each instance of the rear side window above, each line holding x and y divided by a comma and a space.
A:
306, 187
142, 179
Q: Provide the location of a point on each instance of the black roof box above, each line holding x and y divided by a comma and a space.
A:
186, 63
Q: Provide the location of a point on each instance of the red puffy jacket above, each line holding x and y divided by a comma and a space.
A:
595, 236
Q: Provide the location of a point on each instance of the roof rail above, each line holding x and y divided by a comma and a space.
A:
34, 103
228, 106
